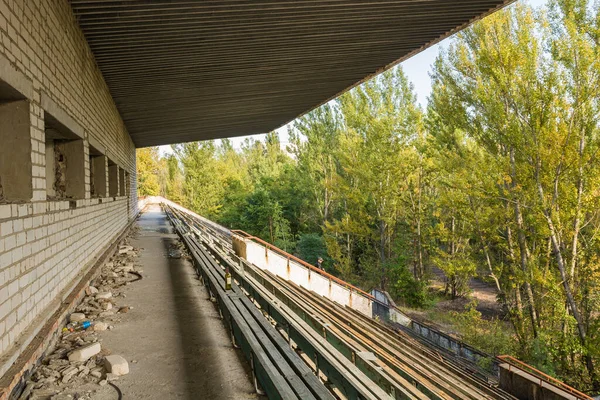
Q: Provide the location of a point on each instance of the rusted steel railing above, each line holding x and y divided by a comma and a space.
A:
513, 362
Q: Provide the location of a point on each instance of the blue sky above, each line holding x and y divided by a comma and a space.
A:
416, 68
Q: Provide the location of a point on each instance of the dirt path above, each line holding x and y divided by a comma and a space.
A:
483, 292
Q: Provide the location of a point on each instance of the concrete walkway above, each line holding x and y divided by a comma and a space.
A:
180, 346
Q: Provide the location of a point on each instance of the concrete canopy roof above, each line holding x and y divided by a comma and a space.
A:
184, 70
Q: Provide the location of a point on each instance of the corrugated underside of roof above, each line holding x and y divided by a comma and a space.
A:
194, 70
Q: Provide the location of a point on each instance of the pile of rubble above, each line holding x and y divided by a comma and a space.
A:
78, 365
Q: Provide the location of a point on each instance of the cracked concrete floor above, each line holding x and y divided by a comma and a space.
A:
173, 333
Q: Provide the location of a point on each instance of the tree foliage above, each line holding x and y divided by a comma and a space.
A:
148, 171
498, 178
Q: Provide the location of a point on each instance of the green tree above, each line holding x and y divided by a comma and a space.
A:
202, 179
524, 88
174, 180
380, 124
314, 139
148, 170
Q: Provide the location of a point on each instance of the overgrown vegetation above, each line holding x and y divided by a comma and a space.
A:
491, 336
498, 176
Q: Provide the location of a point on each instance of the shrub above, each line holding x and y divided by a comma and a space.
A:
407, 289
311, 246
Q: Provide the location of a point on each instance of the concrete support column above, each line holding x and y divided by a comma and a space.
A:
49, 147
16, 182
87, 181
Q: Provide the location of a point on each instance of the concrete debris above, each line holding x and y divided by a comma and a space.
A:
177, 250
83, 371
90, 290
84, 353
174, 253
111, 377
125, 268
100, 326
108, 314
125, 249
117, 365
62, 396
76, 317
39, 394
57, 363
27, 391
77, 358
68, 374
59, 353
96, 374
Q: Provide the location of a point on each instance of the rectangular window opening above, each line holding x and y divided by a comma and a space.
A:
16, 181
65, 166
121, 182
98, 166
113, 178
